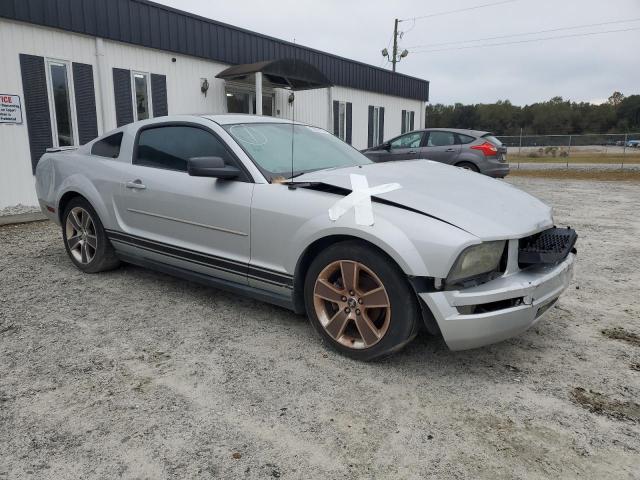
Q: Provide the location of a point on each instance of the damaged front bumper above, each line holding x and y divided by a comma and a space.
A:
499, 309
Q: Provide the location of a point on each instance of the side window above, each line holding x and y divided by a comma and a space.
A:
170, 147
441, 139
108, 147
410, 140
464, 139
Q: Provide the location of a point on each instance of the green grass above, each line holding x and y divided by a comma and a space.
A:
575, 174
577, 158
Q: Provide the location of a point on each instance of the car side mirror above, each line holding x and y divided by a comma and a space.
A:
211, 167
386, 145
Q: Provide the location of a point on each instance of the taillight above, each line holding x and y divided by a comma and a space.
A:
489, 149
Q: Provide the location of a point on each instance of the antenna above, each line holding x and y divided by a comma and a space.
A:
293, 120
292, 98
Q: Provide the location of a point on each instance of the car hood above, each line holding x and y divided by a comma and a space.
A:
485, 207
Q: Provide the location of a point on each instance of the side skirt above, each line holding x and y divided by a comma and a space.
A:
285, 301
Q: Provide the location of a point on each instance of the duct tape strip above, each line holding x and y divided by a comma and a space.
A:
360, 200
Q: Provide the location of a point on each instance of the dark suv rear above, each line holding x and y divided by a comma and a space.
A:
471, 149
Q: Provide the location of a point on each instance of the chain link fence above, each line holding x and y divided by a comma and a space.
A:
590, 149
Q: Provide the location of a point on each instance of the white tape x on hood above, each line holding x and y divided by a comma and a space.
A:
360, 200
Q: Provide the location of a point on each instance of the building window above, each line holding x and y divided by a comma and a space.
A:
141, 98
61, 103
376, 127
407, 121
342, 120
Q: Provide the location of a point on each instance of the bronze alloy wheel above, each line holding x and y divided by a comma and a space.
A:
352, 304
81, 235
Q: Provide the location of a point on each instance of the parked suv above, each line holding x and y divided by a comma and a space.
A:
471, 149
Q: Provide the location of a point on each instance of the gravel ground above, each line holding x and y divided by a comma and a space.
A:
133, 374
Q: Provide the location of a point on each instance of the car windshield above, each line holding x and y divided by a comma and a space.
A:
272, 145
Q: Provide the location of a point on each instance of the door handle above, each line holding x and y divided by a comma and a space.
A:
412, 151
450, 150
136, 184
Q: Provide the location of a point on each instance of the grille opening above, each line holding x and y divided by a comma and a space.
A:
490, 307
548, 247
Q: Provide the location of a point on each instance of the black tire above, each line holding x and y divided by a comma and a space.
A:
468, 166
104, 257
404, 312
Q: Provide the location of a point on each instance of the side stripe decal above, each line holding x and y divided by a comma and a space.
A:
224, 264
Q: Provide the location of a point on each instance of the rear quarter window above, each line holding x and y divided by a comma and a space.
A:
493, 140
108, 147
463, 139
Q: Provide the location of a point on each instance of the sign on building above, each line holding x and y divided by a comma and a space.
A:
10, 109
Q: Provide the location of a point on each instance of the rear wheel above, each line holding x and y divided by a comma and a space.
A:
360, 302
468, 166
84, 238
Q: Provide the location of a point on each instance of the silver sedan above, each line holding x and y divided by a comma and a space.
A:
289, 214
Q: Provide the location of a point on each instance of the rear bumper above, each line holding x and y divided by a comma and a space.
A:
531, 291
496, 169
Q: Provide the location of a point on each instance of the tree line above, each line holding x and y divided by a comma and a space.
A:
619, 114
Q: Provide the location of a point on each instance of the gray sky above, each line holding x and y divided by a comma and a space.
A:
585, 68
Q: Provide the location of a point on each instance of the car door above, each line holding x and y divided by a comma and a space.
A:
196, 223
406, 147
440, 146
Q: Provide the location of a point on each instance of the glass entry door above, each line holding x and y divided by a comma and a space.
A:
245, 102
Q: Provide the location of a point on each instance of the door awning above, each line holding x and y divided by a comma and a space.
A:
286, 73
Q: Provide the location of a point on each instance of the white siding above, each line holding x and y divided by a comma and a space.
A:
393, 107
314, 107
183, 94
16, 181
183, 78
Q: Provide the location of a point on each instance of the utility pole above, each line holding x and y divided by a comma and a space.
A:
394, 58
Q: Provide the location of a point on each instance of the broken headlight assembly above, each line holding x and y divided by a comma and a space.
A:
477, 262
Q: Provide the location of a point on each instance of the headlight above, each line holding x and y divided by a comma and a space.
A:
476, 260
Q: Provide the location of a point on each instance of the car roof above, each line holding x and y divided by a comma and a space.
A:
231, 118
464, 131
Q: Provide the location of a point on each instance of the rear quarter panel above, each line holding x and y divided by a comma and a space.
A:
95, 178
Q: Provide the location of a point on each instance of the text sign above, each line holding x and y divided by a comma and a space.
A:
10, 109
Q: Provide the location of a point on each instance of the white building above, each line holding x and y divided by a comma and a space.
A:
72, 70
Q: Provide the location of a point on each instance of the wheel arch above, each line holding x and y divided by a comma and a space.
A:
64, 201
312, 250
80, 186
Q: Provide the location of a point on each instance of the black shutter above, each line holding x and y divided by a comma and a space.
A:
85, 102
159, 95
347, 136
336, 118
403, 127
122, 93
36, 104
413, 114
370, 130
381, 125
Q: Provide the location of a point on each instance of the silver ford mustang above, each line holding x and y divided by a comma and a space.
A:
289, 214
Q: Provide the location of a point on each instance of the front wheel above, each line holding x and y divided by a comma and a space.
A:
360, 302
